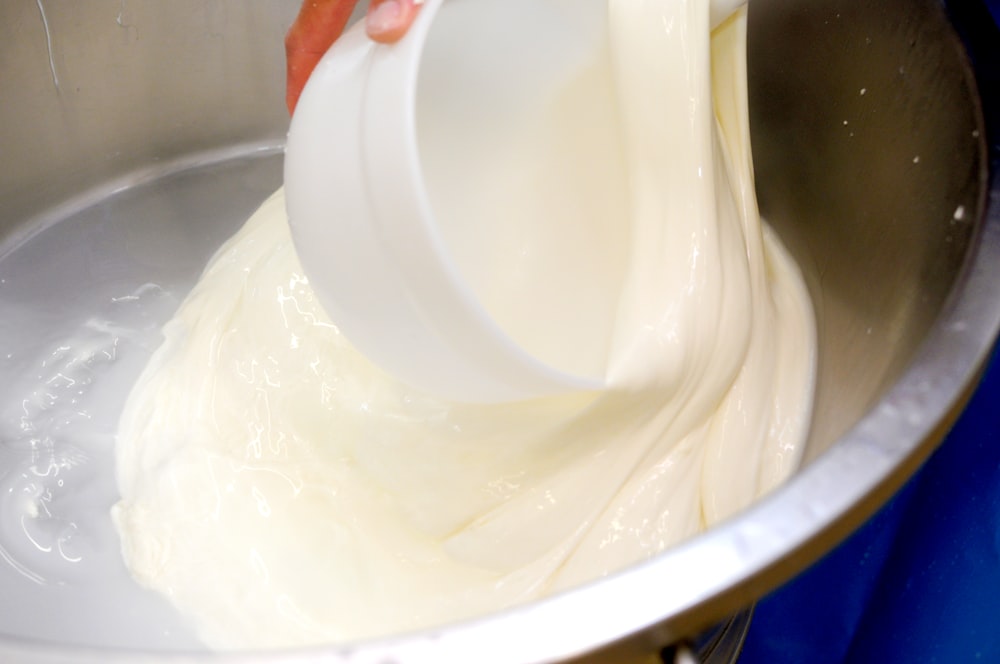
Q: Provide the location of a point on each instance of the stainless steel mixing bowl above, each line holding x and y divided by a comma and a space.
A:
871, 163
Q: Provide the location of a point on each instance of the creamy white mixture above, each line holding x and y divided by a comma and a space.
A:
281, 490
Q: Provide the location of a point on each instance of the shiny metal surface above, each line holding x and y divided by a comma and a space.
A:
870, 159
97, 89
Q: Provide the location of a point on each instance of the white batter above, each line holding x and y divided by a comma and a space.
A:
281, 490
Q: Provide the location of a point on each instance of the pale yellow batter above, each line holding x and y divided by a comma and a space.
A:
281, 490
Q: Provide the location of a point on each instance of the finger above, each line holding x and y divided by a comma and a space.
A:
318, 25
388, 20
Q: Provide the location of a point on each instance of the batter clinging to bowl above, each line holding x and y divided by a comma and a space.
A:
281, 490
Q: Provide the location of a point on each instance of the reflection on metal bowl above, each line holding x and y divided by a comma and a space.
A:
871, 164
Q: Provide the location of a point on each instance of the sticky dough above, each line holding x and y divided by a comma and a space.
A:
281, 490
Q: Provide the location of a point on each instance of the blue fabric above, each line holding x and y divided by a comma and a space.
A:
994, 7
920, 582
938, 597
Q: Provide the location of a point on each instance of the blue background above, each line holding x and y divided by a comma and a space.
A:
920, 582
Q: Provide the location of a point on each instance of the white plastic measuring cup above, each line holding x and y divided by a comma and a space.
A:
458, 199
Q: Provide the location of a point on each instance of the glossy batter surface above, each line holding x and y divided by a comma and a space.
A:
281, 490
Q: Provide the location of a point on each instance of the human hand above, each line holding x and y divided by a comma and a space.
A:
321, 22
